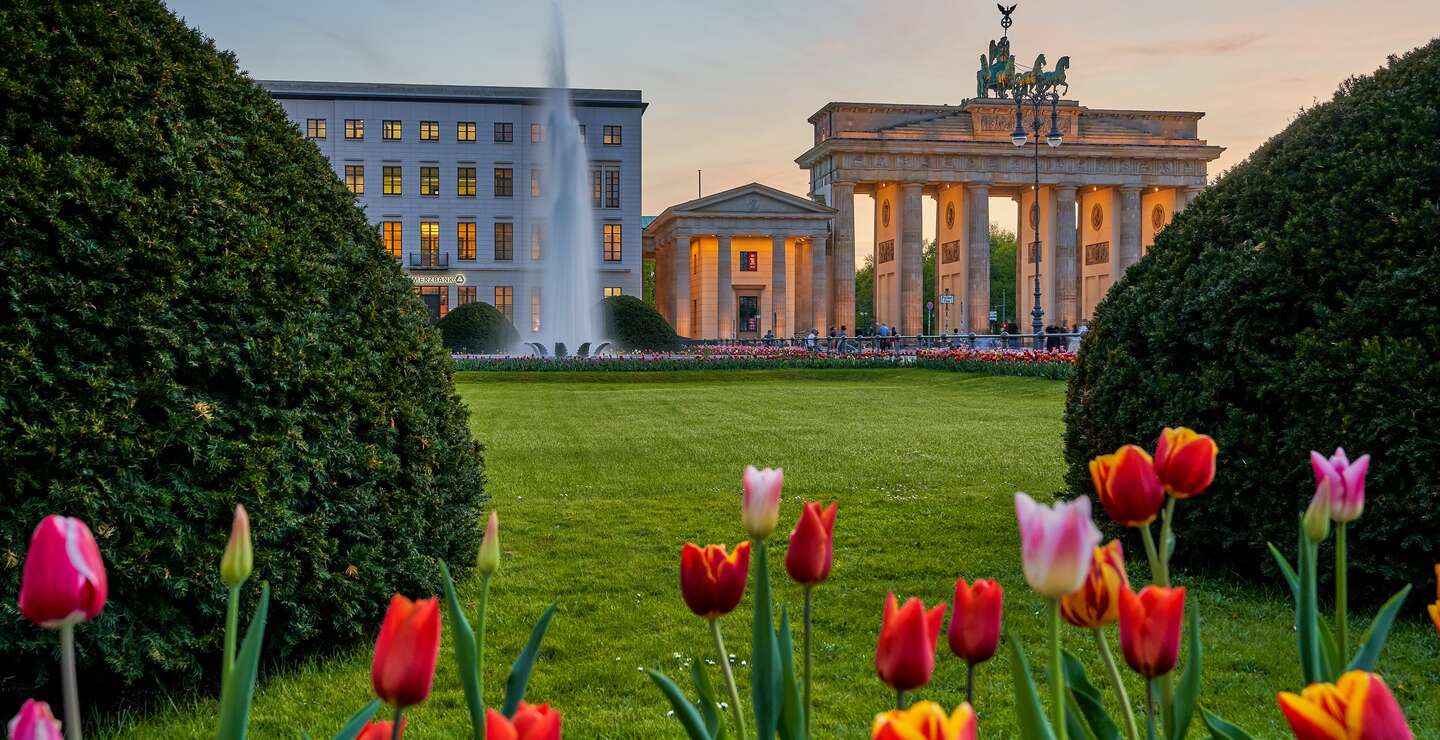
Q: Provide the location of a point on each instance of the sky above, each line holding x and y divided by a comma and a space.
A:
731, 83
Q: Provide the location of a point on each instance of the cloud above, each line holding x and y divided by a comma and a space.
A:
1216, 46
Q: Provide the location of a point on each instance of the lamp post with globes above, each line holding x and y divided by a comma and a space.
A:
1036, 99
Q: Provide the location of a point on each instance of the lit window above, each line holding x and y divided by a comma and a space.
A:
535, 309
612, 242
465, 131
612, 136
315, 128
537, 133
504, 133
612, 188
612, 292
465, 240
429, 243
465, 182
467, 294
504, 301
534, 182
595, 187
504, 240
354, 128
390, 131
429, 130
391, 176
393, 234
537, 240
504, 182
355, 178
429, 181
749, 262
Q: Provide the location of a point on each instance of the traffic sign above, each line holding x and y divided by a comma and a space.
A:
947, 299
994, 315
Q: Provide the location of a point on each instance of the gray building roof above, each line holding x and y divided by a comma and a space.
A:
313, 90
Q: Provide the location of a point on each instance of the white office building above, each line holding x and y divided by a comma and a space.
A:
453, 178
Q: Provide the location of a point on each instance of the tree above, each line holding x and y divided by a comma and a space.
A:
865, 295
647, 281
1002, 273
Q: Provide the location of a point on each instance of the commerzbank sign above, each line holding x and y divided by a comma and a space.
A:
455, 279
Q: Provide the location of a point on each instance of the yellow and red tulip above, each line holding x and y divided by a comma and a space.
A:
1343, 482
529, 723
405, 653
1185, 461
905, 652
1435, 607
380, 730
1056, 544
808, 558
1357, 707
925, 720
63, 581
975, 624
712, 582
34, 722
1127, 485
1097, 603
760, 505
1150, 629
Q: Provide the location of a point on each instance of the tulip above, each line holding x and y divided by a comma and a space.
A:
760, 505
63, 582
405, 653
1435, 607
239, 557
1056, 544
1097, 605
711, 581
1357, 707
975, 625
529, 723
1150, 628
488, 561
1128, 487
1343, 481
34, 722
808, 558
905, 652
381, 730
925, 720
1185, 461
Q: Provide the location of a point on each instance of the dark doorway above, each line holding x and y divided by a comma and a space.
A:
747, 325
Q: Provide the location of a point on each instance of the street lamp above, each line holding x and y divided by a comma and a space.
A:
1020, 137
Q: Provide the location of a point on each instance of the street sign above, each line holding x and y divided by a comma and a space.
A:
947, 299
929, 305
994, 315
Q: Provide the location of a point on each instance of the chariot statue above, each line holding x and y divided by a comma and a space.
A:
998, 73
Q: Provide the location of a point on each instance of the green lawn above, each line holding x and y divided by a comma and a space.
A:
599, 479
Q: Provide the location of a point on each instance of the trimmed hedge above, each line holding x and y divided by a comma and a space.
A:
1046, 370
477, 328
1295, 305
634, 325
194, 314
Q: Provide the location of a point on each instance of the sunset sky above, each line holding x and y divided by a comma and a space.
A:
731, 84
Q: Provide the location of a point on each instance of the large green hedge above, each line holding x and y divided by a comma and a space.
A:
633, 324
1295, 305
194, 314
477, 328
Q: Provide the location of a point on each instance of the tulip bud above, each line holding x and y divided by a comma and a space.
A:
488, 560
239, 557
760, 504
34, 722
63, 581
1317, 518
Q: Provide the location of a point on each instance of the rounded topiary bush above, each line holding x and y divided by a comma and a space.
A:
633, 324
477, 328
195, 314
1295, 305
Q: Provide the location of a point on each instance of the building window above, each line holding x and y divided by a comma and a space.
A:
355, 128
429, 130
612, 242
537, 241
612, 136
465, 182
749, 262
504, 240
534, 182
504, 182
441, 298
465, 131
596, 191
467, 295
355, 178
391, 179
429, 181
390, 130
314, 128
612, 188
505, 301
535, 309
537, 133
504, 133
465, 240
612, 292
393, 234
429, 243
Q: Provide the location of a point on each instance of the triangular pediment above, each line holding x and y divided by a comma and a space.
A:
754, 199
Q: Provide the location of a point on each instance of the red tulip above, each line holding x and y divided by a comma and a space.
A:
1097, 603
925, 720
34, 722
808, 559
711, 581
378, 730
975, 625
1150, 629
905, 652
1185, 461
64, 578
1357, 707
406, 651
1127, 485
529, 723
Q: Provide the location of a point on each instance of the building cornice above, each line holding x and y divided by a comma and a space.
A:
473, 94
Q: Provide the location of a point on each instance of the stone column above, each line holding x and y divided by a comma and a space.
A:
819, 306
777, 285
680, 285
842, 199
912, 261
1183, 196
1129, 227
977, 271
1066, 269
663, 266
724, 291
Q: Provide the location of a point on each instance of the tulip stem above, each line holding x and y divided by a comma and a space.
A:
808, 662
1342, 593
1157, 566
969, 683
729, 679
399, 725
900, 699
480, 641
67, 677
232, 625
1150, 706
1116, 683
1057, 675
1167, 533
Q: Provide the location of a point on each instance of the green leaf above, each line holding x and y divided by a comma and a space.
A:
1290, 578
1086, 702
1307, 612
1187, 693
357, 721
525, 663
465, 655
709, 706
1379, 631
792, 712
684, 710
1222, 730
1076, 725
764, 652
235, 702
1329, 651
1033, 724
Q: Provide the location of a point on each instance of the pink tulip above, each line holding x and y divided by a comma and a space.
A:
34, 722
1056, 544
64, 578
1343, 482
760, 507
